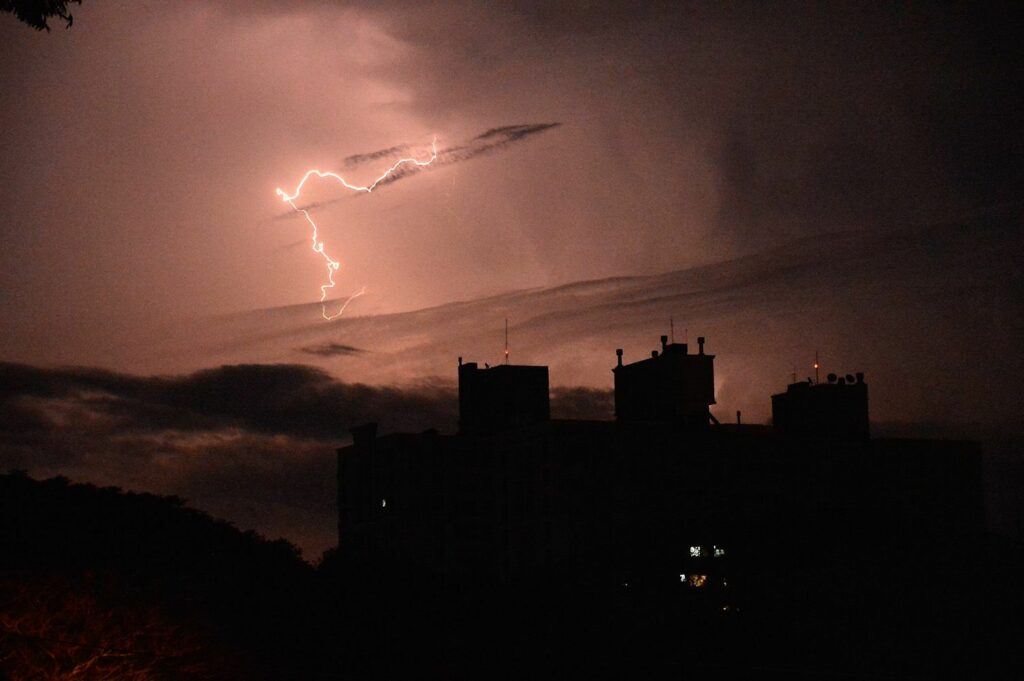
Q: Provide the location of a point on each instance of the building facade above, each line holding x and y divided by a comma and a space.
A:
662, 497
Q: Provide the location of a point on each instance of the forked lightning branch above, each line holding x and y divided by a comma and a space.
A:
318, 245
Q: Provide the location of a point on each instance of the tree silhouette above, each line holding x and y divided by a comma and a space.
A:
57, 628
37, 13
137, 586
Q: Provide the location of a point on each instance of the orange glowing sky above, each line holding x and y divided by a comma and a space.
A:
141, 149
779, 178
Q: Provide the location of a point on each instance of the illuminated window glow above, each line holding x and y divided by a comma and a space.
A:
694, 552
698, 581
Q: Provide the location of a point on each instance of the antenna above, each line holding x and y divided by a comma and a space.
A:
671, 330
816, 365
506, 340
794, 374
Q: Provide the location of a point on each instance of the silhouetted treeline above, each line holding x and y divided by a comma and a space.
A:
167, 591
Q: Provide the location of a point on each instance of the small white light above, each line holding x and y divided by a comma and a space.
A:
383, 503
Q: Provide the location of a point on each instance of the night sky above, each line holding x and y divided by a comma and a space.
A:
783, 179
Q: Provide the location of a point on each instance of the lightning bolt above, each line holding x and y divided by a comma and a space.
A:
318, 245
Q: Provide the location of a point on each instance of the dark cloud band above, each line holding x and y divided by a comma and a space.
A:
250, 443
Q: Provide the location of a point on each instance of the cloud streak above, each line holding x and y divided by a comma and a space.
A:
490, 141
333, 350
290, 399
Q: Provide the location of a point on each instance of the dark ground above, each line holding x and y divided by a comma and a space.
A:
811, 602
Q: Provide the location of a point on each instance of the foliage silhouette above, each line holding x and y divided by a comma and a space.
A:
37, 13
86, 569
62, 629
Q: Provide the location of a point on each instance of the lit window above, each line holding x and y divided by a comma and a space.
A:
719, 552
698, 581
694, 552
383, 503
682, 578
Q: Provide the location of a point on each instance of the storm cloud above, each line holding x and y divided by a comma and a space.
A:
293, 400
253, 444
782, 178
691, 134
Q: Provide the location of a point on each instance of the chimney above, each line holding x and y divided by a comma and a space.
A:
700, 345
618, 353
460, 361
654, 353
664, 342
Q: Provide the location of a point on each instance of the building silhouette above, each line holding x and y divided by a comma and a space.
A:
673, 386
502, 397
662, 500
836, 409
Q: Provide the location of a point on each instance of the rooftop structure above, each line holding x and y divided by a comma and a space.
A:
837, 409
670, 386
502, 397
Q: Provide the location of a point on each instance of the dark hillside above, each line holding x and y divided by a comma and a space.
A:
162, 589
